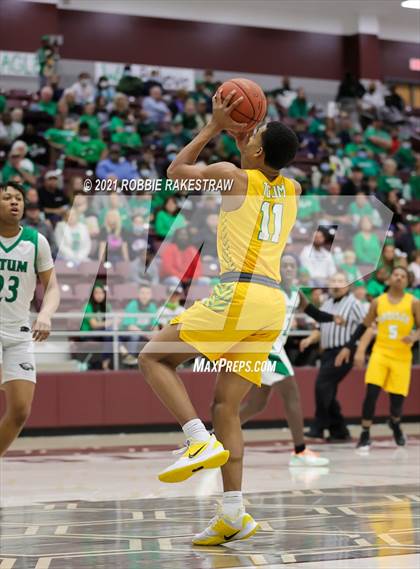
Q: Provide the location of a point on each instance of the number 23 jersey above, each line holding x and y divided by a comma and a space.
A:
394, 322
21, 258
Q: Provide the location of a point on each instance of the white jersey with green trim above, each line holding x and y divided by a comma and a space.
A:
21, 258
277, 351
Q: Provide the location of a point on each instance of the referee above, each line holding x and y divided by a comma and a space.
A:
333, 338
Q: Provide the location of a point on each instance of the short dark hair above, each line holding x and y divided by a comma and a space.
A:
401, 268
14, 185
280, 145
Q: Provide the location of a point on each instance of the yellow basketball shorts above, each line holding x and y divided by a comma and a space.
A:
238, 322
392, 374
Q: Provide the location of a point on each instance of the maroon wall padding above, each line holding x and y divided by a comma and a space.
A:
99, 399
395, 56
199, 45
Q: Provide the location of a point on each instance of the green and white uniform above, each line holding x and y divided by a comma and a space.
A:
278, 353
21, 258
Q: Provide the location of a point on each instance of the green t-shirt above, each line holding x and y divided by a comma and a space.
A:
389, 183
3, 103
414, 183
59, 136
166, 224
375, 288
90, 313
416, 237
354, 209
128, 139
133, 307
371, 131
351, 271
351, 149
8, 171
368, 166
317, 192
298, 109
93, 123
229, 145
405, 157
367, 250
308, 207
49, 107
90, 150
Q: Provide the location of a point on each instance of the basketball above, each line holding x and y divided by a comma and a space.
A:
253, 108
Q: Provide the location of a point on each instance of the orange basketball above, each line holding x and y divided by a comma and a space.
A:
253, 108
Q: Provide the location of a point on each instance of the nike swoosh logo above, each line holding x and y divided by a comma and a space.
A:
229, 537
196, 452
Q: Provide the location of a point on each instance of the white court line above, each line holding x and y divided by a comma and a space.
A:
165, 544
298, 493
160, 515
265, 526
321, 510
413, 497
135, 544
288, 558
7, 563
61, 530
43, 563
72, 506
362, 541
49, 507
393, 498
347, 511
31, 530
258, 560
317, 492
388, 539
137, 515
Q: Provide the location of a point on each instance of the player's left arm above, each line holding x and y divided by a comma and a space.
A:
45, 267
184, 165
414, 336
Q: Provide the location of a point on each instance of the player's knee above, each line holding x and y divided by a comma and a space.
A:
221, 408
19, 413
145, 361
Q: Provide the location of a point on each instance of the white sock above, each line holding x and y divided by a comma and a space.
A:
233, 504
195, 430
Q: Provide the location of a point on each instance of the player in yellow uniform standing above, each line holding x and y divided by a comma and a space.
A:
239, 322
395, 313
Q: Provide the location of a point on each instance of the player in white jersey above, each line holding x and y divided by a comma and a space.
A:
24, 255
282, 379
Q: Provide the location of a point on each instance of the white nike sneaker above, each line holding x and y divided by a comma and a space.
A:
308, 458
223, 529
196, 455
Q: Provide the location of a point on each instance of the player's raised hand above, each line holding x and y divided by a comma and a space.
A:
241, 138
41, 328
343, 357
222, 109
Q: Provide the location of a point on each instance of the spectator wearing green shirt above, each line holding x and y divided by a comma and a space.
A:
62, 133
309, 210
299, 108
414, 181
355, 146
377, 139
349, 266
46, 104
377, 284
85, 150
362, 207
177, 135
18, 164
364, 160
89, 117
116, 203
95, 313
147, 307
168, 219
125, 133
226, 147
366, 244
389, 180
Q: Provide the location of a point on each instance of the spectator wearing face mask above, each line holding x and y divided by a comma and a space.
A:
62, 133
85, 150
105, 89
83, 90
116, 165
89, 117
125, 133
18, 164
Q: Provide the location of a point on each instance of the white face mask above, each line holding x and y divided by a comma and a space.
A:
84, 82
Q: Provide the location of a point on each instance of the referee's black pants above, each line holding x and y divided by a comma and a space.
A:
328, 411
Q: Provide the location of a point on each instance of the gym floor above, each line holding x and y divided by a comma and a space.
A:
76, 502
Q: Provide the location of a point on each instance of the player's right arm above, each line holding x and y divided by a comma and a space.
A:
364, 342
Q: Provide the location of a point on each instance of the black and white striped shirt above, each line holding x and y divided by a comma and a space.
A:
352, 310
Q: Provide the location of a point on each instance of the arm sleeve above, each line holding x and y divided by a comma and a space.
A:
357, 334
44, 260
318, 315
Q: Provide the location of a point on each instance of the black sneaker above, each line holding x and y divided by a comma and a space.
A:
364, 440
397, 432
314, 433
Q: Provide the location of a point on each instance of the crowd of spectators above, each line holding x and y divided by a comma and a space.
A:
363, 144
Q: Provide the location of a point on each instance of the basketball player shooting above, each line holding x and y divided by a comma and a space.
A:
243, 316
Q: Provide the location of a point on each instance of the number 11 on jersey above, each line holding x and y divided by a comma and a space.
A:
270, 211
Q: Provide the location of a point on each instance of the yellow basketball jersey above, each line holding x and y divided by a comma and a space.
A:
251, 239
395, 321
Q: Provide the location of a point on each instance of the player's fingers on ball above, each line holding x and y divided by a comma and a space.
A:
236, 102
228, 98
